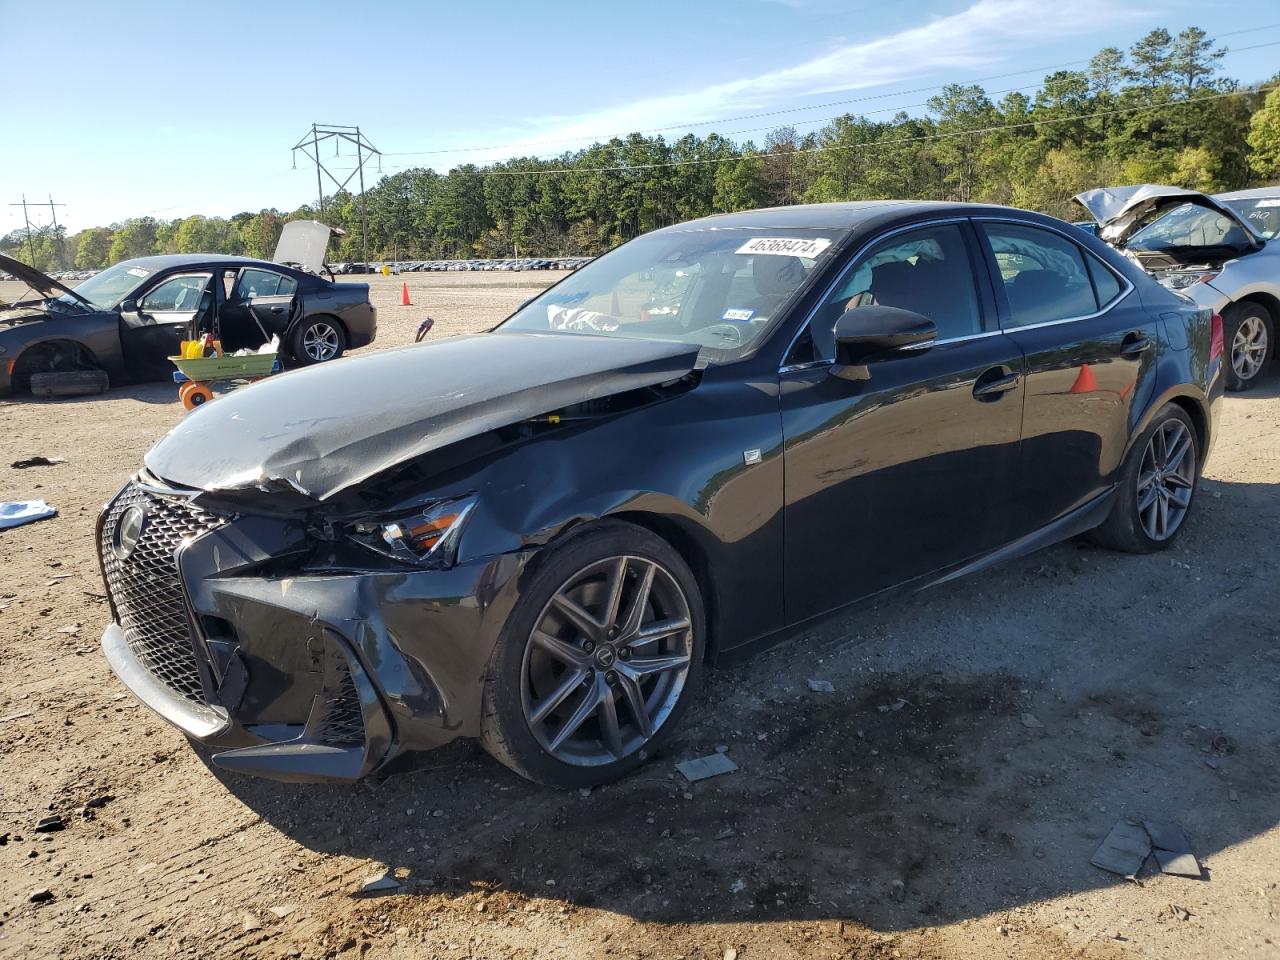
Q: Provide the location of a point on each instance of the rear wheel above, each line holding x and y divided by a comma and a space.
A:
1249, 334
597, 662
317, 340
1156, 488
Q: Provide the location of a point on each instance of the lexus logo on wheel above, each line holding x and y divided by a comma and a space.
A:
129, 531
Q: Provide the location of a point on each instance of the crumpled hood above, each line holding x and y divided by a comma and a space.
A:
323, 429
42, 283
1120, 210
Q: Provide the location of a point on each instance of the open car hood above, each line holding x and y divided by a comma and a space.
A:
323, 429
40, 282
1121, 211
304, 243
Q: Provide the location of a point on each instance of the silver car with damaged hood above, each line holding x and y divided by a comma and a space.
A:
1220, 251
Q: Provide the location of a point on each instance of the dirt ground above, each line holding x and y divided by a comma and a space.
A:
943, 802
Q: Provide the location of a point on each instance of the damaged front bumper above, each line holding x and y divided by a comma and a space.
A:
288, 671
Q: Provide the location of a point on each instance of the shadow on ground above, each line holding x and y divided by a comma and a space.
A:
907, 798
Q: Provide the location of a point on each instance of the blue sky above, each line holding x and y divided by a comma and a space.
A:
123, 108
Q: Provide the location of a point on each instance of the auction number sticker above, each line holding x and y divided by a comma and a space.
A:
138, 272
786, 246
740, 316
1269, 203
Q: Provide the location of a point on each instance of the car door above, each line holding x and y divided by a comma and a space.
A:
1090, 350
260, 305
154, 331
907, 471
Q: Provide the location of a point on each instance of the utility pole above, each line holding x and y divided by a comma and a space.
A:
310, 147
26, 219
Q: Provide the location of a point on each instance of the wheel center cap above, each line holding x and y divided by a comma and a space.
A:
605, 656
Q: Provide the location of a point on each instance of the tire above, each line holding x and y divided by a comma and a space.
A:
317, 340
1249, 336
1133, 527
566, 675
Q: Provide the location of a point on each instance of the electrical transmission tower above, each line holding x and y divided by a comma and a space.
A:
26, 220
310, 147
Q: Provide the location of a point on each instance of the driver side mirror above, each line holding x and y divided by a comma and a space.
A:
129, 306
865, 334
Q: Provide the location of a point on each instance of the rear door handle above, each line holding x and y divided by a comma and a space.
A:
277, 309
995, 383
1134, 344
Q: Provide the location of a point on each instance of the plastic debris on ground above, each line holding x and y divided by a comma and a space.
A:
704, 768
821, 686
1129, 843
1124, 850
14, 513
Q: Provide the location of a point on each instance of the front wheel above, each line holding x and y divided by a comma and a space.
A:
598, 660
317, 340
1157, 485
1249, 334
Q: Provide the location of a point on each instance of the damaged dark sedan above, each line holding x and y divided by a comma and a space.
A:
701, 441
128, 320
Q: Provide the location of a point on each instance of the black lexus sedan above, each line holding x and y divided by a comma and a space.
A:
718, 432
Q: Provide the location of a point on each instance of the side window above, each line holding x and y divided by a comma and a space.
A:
1105, 284
258, 283
176, 293
288, 286
926, 271
1044, 275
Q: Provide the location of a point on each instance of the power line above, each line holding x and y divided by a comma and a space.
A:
885, 143
815, 106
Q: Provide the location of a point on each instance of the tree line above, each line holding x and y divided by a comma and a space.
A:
1160, 112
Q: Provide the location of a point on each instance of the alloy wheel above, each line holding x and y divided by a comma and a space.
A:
320, 341
607, 661
1249, 348
1166, 479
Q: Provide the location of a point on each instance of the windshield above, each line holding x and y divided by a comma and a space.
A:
1262, 214
104, 290
720, 289
1190, 225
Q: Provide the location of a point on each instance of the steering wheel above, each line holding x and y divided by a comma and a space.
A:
729, 331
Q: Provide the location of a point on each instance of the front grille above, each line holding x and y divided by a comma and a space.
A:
146, 589
343, 719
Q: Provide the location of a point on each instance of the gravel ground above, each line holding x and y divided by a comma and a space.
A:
942, 802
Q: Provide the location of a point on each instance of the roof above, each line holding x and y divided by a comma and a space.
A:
831, 216
167, 261
1257, 193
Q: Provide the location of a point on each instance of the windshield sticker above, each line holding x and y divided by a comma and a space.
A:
740, 316
138, 272
786, 246
1269, 203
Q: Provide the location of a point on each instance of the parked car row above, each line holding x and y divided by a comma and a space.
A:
421, 266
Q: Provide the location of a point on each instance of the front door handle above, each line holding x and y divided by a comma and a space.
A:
1134, 344
995, 383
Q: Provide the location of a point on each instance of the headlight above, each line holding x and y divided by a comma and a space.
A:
427, 536
1180, 281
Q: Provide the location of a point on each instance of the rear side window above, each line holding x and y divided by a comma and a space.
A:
1044, 274
1105, 284
264, 283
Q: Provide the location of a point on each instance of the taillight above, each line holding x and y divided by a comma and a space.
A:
1215, 337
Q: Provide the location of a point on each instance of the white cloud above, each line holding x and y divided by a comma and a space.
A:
978, 36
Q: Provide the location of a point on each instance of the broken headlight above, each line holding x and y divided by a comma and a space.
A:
427, 536
1180, 281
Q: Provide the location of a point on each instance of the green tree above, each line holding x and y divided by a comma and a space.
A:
93, 248
1264, 138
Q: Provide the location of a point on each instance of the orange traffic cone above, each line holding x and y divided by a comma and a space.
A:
404, 295
1085, 383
